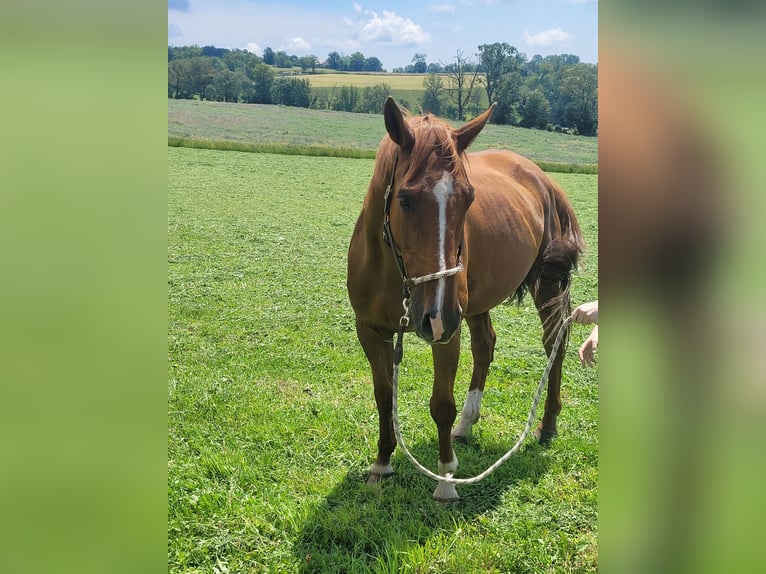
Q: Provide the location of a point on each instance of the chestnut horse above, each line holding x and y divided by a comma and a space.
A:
456, 234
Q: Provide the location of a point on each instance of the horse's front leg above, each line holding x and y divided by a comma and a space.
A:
443, 412
483, 348
379, 349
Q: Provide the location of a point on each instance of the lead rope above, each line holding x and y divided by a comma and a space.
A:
399, 353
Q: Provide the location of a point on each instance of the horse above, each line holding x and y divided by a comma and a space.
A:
454, 234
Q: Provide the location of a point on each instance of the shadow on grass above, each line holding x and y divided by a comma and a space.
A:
363, 529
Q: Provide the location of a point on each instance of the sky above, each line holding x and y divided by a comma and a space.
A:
391, 30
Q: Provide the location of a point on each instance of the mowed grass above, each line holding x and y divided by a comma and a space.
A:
268, 125
395, 81
404, 87
272, 421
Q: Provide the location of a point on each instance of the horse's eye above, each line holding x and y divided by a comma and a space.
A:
404, 202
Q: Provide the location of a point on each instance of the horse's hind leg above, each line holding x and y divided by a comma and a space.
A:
552, 302
483, 348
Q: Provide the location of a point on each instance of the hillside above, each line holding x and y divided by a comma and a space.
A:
267, 124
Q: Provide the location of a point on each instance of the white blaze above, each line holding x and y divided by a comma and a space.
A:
442, 191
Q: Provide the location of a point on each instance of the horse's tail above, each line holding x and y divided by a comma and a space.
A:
559, 255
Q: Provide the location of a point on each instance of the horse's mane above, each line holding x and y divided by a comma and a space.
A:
432, 136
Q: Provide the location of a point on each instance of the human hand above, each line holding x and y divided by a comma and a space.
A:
589, 348
586, 313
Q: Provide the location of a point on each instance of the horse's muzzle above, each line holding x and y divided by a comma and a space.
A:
435, 326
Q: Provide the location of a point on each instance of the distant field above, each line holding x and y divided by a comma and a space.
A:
266, 124
406, 88
396, 81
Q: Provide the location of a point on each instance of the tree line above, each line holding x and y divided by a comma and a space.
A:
554, 92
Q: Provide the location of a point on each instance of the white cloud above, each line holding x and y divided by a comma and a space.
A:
357, 8
549, 37
442, 8
297, 45
391, 29
254, 48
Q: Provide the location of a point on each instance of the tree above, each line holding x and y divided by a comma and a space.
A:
462, 82
508, 96
534, 110
373, 98
346, 99
579, 85
240, 60
334, 61
228, 86
291, 92
497, 60
282, 60
213, 52
373, 65
547, 74
433, 85
178, 79
308, 63
419, 65
263, 78
357, 62
201, 75
268, 56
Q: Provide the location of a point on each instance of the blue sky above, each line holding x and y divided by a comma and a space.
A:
391, 30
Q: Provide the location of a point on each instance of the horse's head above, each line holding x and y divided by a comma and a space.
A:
430, 195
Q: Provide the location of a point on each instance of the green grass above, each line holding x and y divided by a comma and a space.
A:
272, 421
215, 125
278, 148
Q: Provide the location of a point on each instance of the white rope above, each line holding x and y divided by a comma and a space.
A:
530, 420
436, 275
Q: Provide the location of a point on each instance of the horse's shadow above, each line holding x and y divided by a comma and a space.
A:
357, 526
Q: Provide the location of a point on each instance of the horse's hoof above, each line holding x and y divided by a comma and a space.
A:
379, 473
545, 437
375, 479
460, 439
446, 493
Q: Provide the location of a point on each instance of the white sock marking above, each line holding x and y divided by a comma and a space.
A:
446, 491
470, 414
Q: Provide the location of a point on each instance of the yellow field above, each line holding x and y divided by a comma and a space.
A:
396, 81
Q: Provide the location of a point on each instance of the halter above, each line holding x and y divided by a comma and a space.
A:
408, 282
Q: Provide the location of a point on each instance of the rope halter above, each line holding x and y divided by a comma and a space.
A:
408, 282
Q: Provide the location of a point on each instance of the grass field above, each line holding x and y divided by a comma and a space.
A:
266, 124
404, 87
395, 81
272, 421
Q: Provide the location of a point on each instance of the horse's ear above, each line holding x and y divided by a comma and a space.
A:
467, 133
396, 126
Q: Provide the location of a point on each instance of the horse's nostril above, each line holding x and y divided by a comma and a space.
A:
425, 326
